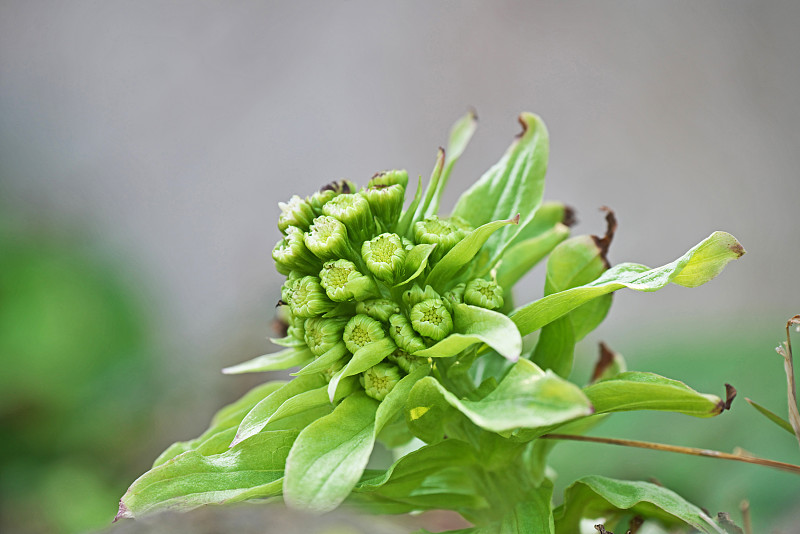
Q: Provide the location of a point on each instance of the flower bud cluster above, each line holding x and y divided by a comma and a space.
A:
348, 262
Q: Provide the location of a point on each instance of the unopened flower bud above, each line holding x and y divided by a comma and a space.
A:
416, 294
332, 370
355, 213
327, 192
360, 331
327, 238
442, 232
405, 361
483, 293
431, 319
396, 177
379, 380
386, 203
308, 298
296, 325
380, 309
384, 256
291, 254
403, 334
297, 212
456, 295
322, 334
342, 282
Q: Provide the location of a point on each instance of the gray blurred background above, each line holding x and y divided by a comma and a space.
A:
161, 136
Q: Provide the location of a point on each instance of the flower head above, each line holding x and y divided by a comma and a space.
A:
404, 335
297, 212
355, 213
360, 331
327, 238
483, 293
441, 232
308, 298
379, 380
322, 334
342, 282
431, 319
384, 256
386, 203
395, 177
380, 309
291, 254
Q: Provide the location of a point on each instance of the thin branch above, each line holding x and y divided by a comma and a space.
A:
788, 365
744, 506
682, 450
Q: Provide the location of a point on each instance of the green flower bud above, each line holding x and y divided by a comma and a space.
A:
456, 295
416, 294
483, 293
405, 361
332, 370
386, 203
431, 319
462, 225
327, 238
384, 256
378, 381
403, 334
361, 330
442, 232
324, 195
354, 212
297, 212
396, 177
296, 324
291, 254
343, 282
407, 244
380, 309
322, 334
308, 298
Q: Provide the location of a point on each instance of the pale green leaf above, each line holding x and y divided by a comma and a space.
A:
329, 456
647, 391
363, 359
523, 256
257, 418
416, 261
513, 185
478, 325
433, 185
252, 469
532, 515
596, 497
324, 362
526, 398
405, 223
703, 262
290, 357
460, 135
288, 341
442, 275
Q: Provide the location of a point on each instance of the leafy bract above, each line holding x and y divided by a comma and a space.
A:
460, 135
772, 416
513, 185
478, 325
330, 454
416, 261
524, 255
533, 514
252, 469
596, 496
526, 398
224, 420
289, 357
699, 265
647, 391
363, 359
442, 274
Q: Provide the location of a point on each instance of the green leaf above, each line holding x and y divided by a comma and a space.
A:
442, 275
288, 341
363, 359
647, 391
226, 419
329, 456
549, 214
252, 469
772, 416
526, 398
324, 362
513, 185
433, 185
532, 515
290, 357
460, 135
596, 496
407, 219
477, 325
257, 418
523, 256
574, 262
416, 261
699, 265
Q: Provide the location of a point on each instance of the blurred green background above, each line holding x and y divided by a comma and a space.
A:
144, 147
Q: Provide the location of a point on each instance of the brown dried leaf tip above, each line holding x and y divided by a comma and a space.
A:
603, 362
603, 243
569, 219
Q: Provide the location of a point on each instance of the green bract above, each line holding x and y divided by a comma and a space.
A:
401, 325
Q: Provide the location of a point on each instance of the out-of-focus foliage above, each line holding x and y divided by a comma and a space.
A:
74, 384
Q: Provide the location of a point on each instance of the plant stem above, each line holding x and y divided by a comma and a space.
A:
682, 450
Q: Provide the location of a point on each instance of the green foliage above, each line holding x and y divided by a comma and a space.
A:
432, 350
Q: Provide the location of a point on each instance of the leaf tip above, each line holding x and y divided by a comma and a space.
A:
604, 243
515, 219
123, 512
569, 219
737, 249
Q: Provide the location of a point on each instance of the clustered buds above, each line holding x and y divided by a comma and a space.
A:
352, 280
